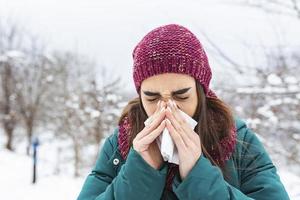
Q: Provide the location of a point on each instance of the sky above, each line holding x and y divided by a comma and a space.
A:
108, 31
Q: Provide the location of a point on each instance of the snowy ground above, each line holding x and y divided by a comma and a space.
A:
16, 177
15, 182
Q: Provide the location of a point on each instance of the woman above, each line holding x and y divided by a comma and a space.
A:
220, 159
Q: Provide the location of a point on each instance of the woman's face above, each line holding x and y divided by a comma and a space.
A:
179, 87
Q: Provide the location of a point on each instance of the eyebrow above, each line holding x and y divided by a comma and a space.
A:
181, 91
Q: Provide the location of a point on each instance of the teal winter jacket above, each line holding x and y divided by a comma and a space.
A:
252, 175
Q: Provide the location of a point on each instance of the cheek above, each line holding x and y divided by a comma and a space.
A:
149, 107
189, 107
186, 107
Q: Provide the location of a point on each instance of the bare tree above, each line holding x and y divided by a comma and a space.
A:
10, 44
58, 92
272, 106
105, 102
8, 114
86, 106
282, 7
33, 80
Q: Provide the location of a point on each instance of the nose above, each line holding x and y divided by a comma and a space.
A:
166, 97
165, 100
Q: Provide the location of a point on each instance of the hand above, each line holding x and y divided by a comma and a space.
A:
144, 143
186, 140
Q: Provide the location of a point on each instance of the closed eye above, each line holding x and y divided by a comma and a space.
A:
180, 98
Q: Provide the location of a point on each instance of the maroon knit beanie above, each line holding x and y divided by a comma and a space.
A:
171, 49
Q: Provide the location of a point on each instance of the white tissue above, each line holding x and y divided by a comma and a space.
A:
166, 145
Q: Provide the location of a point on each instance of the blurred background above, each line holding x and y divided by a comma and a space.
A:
66, 74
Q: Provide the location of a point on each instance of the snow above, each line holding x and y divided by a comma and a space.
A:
16, 172
291, 80
296, 136
273, 79
70, 104
49, 78
95, 113
254, 122
291, 182
12, 54
269, 89
268, 113
15, 54
3, 58
16, 177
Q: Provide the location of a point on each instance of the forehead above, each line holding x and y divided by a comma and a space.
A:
167, 82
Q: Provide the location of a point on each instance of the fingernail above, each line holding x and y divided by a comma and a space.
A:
169, 109
160, 102
174, 104
170, 102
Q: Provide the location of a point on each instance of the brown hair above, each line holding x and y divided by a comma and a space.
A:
215, 121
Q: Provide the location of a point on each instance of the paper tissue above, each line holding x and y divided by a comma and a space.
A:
166, 145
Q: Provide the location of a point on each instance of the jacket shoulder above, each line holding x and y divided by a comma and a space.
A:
249, 148
244, 133
239, 123
113, 138
108, 147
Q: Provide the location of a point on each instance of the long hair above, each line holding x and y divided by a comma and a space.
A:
214, 117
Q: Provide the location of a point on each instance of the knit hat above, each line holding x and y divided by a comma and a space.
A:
171, 49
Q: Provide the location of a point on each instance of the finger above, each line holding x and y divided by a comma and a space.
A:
161, 104
158, 107
182, 121
148, 139
153, 125
178, 127
150, 119
176, 136
157, 120
177, 113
